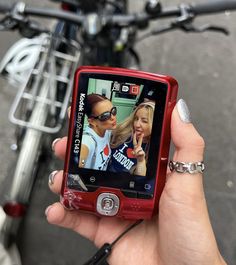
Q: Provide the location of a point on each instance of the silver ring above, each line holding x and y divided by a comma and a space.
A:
191, 167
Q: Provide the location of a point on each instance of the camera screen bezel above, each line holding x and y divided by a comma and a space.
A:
121, 180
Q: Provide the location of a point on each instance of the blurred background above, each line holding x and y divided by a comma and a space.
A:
204, 65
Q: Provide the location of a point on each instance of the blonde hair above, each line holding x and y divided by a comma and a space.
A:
124, 130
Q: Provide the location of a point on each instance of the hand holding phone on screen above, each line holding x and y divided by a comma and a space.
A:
118, 142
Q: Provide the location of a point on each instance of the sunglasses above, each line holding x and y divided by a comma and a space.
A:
106, 115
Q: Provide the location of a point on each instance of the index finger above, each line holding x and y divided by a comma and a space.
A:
83, 223
134, 140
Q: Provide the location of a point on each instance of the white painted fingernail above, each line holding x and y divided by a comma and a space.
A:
51, 177
183, 111
54, 143
69, 111
47, 210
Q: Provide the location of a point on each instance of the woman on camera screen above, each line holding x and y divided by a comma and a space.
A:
95, 149
130, 141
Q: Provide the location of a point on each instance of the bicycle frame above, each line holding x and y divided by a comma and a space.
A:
38, 95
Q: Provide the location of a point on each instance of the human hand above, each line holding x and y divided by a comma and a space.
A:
138, 152
181, 234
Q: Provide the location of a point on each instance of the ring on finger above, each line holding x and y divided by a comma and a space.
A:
190, 167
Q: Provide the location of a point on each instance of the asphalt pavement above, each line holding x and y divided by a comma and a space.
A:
204, 65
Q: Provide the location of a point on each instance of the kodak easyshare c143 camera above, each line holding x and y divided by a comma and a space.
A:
118, 142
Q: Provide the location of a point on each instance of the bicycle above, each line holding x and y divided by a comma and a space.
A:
117, 51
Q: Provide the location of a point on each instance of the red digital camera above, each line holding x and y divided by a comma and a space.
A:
118, 142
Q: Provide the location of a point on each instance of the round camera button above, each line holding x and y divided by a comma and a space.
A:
108, 204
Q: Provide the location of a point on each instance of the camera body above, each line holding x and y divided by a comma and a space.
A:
118, 142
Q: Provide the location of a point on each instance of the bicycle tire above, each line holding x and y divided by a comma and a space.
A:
19, 190
24, 171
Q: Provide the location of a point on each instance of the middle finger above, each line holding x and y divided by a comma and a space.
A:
55, 181
59, 147
140, 140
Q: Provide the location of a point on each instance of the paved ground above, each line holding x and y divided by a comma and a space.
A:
204, 65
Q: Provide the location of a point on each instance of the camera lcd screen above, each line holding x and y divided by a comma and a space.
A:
116, 135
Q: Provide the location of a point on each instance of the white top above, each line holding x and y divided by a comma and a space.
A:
99, 149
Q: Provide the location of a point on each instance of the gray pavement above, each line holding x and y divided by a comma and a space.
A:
204, 65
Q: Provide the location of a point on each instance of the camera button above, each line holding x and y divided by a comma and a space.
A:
108, 204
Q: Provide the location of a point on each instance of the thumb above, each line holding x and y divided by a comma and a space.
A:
183, 213
189, 147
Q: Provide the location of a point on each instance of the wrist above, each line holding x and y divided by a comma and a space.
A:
221, 261
140, 168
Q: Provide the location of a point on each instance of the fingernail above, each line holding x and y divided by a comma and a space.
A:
54, 143
51, 177
47, 210
68, 111
184, 112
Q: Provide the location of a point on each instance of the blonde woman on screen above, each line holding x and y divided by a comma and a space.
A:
130, 141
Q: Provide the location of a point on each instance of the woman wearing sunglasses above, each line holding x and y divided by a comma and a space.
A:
130, 141
95, 149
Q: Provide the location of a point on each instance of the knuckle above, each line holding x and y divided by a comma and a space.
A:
190, 140
181, 198
200, 141
197, 142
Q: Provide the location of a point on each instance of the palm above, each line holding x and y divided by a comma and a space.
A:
181, 234
150, 242
135, 246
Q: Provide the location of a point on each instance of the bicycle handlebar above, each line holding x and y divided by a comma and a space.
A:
195, 9
54, 13
213, 7
5, 7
